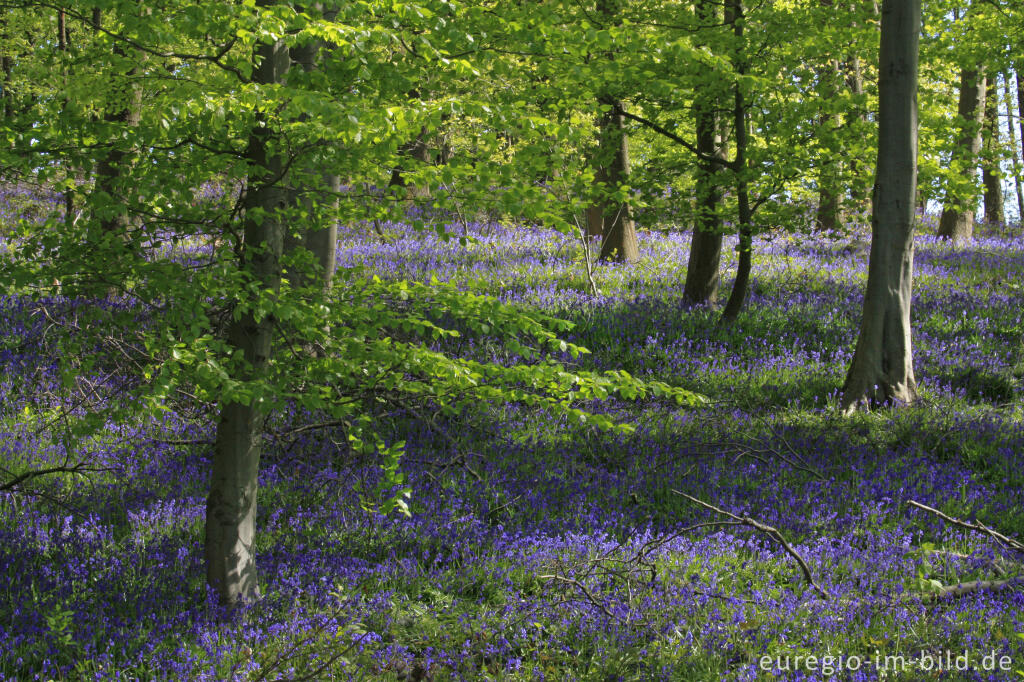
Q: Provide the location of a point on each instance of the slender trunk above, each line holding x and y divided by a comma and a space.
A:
124, 110
957, 221
418, 151
860, 199
231, 506
826, 218
62, 46
7, 70
1014, 149
1020, 122
619, 241
322, 242
741, 287
992, 179
595, 218
882, 368
702, 276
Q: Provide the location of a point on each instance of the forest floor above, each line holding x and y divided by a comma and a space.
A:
539, 549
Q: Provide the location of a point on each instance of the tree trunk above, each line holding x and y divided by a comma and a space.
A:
323, 241
231, 506
992, 178
1020, 123
69, 191
702, 276
741, 287
1014, 149
957, 221
595, 213
595, 221
418, 151
7, 71
619, 241
123, 110
860, 201
882, 368
826, 217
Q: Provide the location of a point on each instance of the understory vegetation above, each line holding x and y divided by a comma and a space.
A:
539, 548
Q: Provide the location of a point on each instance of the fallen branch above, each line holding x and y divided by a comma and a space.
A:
998, 564
771, 532
960, 589
1004, 541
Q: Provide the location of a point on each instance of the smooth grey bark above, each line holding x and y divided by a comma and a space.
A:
957, 220
1014, 149
882, 368
702, 266
1020, 121
991, 178
231, 506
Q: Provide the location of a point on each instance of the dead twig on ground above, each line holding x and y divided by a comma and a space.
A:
771, 532
1004, 541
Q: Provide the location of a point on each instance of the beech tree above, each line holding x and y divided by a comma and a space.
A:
882, 368
1011, 135
957, 220
702, 265
618, 233
992, 177
231, 506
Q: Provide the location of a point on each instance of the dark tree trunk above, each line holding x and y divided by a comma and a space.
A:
702, 266
957, 221
741, 287
123, 109
992, 179
418, 151
595, 221
618, 238
619, 241
62, 46
7, 70
231, 506
826, 217
882, 368
860, 201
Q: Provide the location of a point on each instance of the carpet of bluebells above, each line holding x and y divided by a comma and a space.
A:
542, 550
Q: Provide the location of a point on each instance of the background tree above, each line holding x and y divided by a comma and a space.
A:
992, 176
702, 266
1011, 136
957, 220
